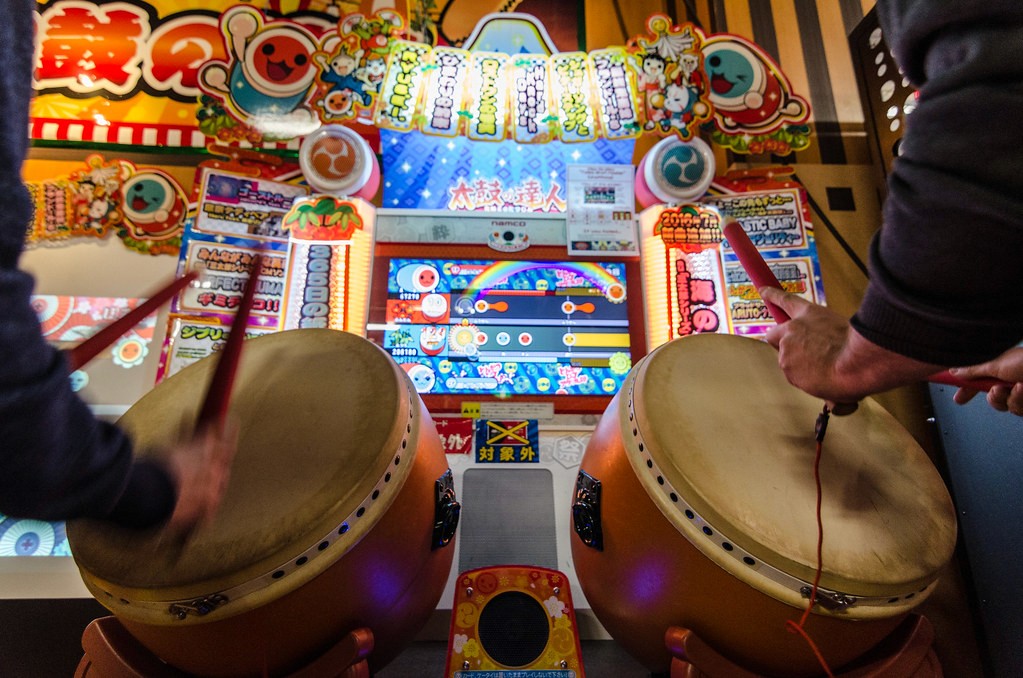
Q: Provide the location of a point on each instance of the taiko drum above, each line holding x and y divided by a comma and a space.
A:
695, 507
338, 515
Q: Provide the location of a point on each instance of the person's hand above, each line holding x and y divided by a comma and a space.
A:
821, 353
809, 346
1006, 367
201, 468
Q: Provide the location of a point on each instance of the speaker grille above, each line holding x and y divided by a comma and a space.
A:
513, 629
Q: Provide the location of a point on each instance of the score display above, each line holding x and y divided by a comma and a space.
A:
506, 328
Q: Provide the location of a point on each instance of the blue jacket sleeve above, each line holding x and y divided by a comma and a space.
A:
945, 264
57, 460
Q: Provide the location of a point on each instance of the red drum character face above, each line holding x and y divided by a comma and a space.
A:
426, 278
279, 60
338, 103
421, 278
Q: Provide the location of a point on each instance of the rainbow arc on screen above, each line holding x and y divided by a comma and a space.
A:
500, 272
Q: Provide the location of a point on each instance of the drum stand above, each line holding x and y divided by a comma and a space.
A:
906, 653
111, 652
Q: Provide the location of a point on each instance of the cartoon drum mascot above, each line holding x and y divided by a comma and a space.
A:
270, 74
154, 205
748, 91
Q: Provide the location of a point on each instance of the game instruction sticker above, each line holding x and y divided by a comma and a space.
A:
773, 220
456, 434
241, 206
777, 223
224, 270
192, 339
600, 215
748, 312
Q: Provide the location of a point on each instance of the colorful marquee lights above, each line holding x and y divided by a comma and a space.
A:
672, 81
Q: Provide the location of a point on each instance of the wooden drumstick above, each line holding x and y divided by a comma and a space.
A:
94, 345
761, 275
218, 395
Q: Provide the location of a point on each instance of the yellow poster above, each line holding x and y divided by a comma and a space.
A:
130, 72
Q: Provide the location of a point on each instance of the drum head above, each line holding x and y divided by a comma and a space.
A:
725, 446
328, 432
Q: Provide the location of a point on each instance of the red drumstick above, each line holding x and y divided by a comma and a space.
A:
977, 384
94, 345
761, 275
756, 267
218, 395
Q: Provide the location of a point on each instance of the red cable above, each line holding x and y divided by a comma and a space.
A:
792, 626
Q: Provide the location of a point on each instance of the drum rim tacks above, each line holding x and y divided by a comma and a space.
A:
201, 601
721, 547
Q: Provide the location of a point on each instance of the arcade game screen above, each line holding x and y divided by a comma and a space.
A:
506, 328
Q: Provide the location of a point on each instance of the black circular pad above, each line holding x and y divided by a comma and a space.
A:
514, 629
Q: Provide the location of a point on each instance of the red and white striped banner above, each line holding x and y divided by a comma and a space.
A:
131, 134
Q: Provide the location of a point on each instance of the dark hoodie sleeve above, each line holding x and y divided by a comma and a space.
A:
57, 461
945, 266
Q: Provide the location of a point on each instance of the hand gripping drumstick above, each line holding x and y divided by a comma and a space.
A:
94, 345
218, 395
761, 275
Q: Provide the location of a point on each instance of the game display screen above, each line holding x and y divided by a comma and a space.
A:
507, 328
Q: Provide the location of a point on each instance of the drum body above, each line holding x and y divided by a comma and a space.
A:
696, 507
336, 517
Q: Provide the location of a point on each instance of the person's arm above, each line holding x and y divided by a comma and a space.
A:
1007, 367
57, 460
944, 266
